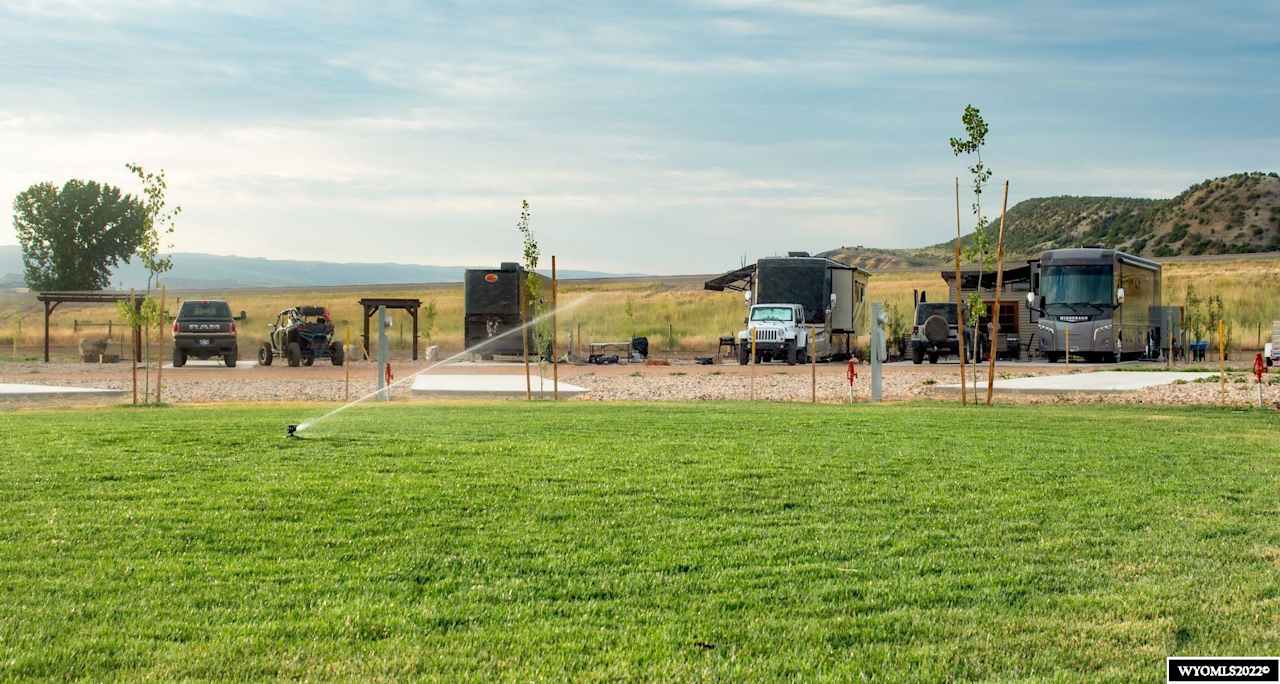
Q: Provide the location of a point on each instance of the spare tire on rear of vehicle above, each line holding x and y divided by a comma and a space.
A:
936, 329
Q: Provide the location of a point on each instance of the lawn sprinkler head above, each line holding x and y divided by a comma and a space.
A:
291, 431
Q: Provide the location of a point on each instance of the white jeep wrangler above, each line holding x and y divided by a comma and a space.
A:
780, 333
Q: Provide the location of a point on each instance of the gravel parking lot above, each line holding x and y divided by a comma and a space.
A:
681, 381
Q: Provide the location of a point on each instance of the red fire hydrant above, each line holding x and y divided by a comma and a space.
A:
853, 375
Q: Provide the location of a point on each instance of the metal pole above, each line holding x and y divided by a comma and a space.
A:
555, 364
877, 342
753, 364
959, 303
384, 392
1168, 333
346, 363
1066, 347
995, 314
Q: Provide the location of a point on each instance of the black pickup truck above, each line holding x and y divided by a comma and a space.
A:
204, 329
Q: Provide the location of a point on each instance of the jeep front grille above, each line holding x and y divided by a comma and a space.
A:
768, 335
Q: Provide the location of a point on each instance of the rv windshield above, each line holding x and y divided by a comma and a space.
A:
771, 313
1069, 287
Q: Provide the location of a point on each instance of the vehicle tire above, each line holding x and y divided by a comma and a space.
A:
791, 353
744, 355
933, 357
294, 354
229, 359
336, 354
917, 355
265, 355
308, 361
1052, 357
179, 358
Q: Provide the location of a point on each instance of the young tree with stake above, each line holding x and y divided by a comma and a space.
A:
979, 247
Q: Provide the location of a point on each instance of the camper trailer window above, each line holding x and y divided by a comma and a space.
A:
1071, 286
771, 313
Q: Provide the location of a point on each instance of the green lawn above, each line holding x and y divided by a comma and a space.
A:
603, 541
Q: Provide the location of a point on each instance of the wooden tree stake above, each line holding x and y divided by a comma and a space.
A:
555, 365
959, 300
995, 314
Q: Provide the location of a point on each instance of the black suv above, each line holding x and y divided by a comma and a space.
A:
933, 332
204, 329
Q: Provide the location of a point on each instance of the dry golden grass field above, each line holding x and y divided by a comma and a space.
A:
674, 312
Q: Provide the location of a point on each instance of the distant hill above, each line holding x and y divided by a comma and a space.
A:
209, 271
1235, 214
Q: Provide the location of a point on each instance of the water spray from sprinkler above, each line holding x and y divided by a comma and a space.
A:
295, 430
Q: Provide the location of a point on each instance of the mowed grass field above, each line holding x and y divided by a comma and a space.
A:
521, 542
674, 312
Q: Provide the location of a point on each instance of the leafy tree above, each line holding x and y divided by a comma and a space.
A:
158, 223
74, 237
429, 314
979, 249
533, 285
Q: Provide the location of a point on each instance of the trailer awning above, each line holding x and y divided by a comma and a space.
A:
969, 276
738, 280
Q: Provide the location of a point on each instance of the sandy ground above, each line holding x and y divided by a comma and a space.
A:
681, 381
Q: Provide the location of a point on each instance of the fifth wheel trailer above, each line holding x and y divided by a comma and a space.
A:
1106, 302
491, 307
831, 293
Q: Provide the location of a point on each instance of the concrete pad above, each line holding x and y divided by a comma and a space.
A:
212, 363
18, 391
1098, 381
452, 385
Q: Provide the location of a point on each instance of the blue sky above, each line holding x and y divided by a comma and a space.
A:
656, 137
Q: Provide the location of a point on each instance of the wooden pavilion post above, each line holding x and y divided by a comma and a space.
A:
995, 315
959, 301
414, 312
47, 310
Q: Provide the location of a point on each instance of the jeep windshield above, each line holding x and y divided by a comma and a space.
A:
210, 310
771, 313
1077, 289
947, 311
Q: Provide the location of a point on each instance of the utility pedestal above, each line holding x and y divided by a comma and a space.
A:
877, 351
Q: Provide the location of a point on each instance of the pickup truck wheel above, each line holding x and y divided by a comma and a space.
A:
295, 354
264, 355
336, 354
179, 358
229, 359
744, 354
